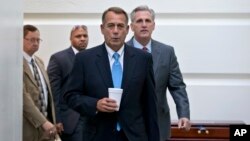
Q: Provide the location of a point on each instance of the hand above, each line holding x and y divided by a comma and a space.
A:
59, 128
106, 105
184, 123
50, 130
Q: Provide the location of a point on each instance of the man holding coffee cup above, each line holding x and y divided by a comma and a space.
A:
114, 69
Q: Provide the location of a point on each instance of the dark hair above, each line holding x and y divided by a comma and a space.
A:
29, 28
142, 8
116, 10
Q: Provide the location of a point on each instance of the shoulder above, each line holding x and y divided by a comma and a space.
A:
38, 59
39, 62
162, 47
91, 51
62, 53
132, 49
130, 42
62, 57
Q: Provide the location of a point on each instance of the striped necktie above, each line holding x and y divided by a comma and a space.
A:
42, 103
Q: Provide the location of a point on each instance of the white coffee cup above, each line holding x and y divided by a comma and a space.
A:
116, 94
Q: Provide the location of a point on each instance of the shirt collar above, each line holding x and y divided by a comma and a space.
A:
27, 57
74, 50
111, 52
140, 46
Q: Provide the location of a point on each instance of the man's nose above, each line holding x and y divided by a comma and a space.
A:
115, 29
144, 23
83, 38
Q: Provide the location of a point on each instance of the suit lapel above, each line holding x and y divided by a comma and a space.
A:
28, 72
128, 66
103, 66
44, 73
50, 97
71, 54
155, 54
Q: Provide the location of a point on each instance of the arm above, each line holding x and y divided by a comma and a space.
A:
35, 117
30, 110
55, 78
177, 89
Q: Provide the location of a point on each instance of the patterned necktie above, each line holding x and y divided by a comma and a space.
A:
145, 48
42, 103
117, 77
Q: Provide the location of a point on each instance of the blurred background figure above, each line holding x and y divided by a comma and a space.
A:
38, 105
59, 67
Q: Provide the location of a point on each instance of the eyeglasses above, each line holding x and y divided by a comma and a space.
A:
33, 40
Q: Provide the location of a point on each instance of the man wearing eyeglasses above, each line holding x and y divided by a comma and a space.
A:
59, 67
38, 105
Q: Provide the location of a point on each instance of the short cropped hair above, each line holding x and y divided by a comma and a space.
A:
29, 28
142, 8
76, 27
116, 10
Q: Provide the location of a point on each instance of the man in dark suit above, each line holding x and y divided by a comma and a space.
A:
38, 105
91, 76
166, 70
60, 65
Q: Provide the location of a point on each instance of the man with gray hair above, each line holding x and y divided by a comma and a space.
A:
166, 70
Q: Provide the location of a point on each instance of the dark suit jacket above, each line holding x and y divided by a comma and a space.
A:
167, 75
32, 117
59, 68
89, 82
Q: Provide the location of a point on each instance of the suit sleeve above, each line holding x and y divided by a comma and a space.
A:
55, 78
30, 110
150, 104
177, 88
75, 92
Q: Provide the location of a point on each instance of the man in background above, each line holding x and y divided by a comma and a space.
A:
166, 70
113, 64
38, 105
60, 65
